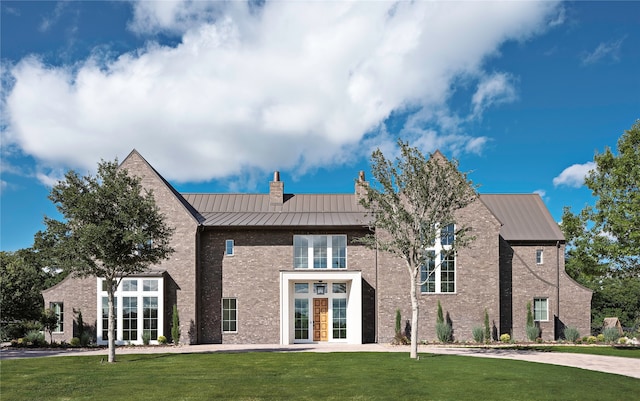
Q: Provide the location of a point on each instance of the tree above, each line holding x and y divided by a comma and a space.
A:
603, 240
175, 325
49, 321
112, 228
412, 199
22, 278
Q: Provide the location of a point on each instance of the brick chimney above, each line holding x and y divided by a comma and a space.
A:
361, 186
276, 190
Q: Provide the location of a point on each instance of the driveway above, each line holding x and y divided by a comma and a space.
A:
609, 364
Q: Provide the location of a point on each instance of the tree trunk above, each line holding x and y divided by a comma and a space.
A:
111, 325
414, 315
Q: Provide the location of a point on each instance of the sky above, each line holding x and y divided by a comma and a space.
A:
218, 95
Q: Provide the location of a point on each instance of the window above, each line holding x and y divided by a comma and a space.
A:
138, 310
129, 318
229, 315
301, 319
541, 309
149, 285
539, 259
129, 285
339, 318
320, 251
339, 288
228, 247
301, 288
105, 316
150, 317
58, 309
438, 273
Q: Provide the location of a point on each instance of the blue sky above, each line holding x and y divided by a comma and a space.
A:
218, 95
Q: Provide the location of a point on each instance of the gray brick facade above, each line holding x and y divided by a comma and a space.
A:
491, 274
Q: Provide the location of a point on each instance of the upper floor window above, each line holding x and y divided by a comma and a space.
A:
438, 272
58, 309
539, 257
320, 251
228, 247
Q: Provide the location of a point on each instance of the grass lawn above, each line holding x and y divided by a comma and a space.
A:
627, 352
303, 376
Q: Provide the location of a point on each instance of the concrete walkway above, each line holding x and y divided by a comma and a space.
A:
609, 364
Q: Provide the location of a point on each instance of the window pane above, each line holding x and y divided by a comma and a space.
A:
447, 234
320, 252
150, 285
427, 273
339, 318
105, 317
129, 318
150, 316
301, 288
229, 247
339, 252
58, 309
301, 319
129, 285
300, 252
229, 315
540, 309
539, 256
339, 288
448, 274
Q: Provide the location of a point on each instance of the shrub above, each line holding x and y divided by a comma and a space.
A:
571, 334
600, 337
398, 321
478, 334
529, 316
146, 337
505, 338
591, 340
75, 342
440, 318
533, 332
610, 334
175, 326
444, 331
85, 338
35, 338
162, 340
487, 329
622, 340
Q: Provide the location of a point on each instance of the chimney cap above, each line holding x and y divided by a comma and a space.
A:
276, 176
361, 176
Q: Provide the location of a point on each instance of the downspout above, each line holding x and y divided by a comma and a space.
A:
558, 289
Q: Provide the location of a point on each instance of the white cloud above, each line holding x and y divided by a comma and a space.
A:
573, 176
495, 89
540, 192
290, 85
609, 50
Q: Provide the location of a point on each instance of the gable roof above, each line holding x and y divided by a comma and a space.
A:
193, 212
524, 217
250, 210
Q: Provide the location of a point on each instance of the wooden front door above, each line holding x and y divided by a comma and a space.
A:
320, 319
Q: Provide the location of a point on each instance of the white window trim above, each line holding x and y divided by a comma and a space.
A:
310, 256
547, 309
226, 247
60, 316
140, 294
540, 252
440, 251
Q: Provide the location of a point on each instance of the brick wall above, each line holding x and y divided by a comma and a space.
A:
77, 295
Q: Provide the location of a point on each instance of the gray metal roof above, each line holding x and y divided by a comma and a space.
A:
251, 210
524, 217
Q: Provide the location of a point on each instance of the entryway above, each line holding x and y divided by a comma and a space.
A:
320, 319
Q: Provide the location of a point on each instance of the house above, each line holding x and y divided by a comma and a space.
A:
282, 268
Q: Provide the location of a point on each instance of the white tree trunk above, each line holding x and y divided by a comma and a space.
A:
112, 326
414, 314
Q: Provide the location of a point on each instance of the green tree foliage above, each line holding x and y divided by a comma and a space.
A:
411, 198
22, 278
603, 240
112, 228
49, 321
